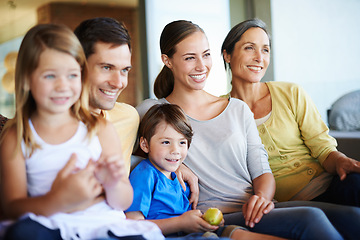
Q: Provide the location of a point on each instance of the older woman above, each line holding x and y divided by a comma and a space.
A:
302, 155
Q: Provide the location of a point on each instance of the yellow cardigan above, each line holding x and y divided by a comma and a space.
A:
296, 139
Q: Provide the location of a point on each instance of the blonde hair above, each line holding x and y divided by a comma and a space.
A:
36, 40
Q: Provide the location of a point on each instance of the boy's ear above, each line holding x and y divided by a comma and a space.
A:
144, 145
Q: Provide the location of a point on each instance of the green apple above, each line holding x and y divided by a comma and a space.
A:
213, 216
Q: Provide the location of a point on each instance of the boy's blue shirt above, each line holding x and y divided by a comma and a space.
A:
156, 196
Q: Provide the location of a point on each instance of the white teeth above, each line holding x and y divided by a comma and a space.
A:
172, 160
255, 68
198, 76
109, 93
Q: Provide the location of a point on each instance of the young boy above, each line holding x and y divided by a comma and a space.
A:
165, 136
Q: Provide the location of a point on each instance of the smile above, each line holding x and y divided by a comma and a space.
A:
198, 77
172, 160
255, 68
109, 93
60, 100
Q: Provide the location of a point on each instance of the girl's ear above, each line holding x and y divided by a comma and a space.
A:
166, 60
26, 86
144, 145
227, 56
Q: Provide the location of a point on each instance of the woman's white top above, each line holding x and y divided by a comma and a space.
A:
226, 154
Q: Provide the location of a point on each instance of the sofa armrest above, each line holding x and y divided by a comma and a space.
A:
348, 142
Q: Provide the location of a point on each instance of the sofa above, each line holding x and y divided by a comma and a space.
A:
348, 142
3, 120
344, 123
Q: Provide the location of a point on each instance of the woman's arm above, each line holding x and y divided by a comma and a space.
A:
338, 163
111, 171
313, 131
184, 174
322, 145
261, 202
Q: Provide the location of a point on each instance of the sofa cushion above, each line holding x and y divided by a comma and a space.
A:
344, 114
3, 120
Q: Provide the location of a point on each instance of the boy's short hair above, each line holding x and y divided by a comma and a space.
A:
169, 113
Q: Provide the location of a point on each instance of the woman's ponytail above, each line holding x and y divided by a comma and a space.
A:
164, 83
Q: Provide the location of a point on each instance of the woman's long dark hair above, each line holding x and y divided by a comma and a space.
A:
236, 33
172, 34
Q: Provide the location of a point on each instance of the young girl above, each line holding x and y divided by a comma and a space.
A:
165, 136
52, 124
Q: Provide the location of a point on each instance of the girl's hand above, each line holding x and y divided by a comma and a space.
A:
73, 187
192, 221
111, 173
255, 208
110, 170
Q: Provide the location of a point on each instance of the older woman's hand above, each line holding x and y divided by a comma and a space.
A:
339, 163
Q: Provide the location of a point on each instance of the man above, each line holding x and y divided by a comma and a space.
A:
107, 47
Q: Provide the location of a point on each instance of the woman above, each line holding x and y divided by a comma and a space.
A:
302, 155
226, 153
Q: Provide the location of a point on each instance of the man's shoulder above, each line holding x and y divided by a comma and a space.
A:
122, 108
122, 111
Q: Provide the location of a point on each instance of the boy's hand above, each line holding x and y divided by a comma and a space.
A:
192, 221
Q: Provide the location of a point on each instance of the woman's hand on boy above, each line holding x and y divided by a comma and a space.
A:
184, 174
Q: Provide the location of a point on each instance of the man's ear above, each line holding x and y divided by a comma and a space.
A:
144, 145
166, 60
227, 56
